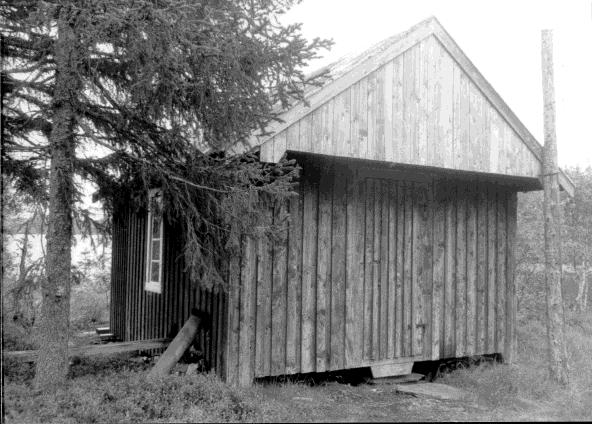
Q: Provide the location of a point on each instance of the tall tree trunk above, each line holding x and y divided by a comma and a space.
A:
555, 316
52, 363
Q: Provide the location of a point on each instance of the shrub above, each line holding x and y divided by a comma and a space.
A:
116, 390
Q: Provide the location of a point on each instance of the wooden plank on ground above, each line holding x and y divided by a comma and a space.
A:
92, 350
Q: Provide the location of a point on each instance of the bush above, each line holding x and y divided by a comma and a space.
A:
116, 390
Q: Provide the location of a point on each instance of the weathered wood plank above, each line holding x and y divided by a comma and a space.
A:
383, 325
398, 109
338, 274
445, 117
491, 267
501, 271
414, 103
323, 312
363, 119
407, 266
316, 123
369, 268
471, 270
294, 300
399, 285
510, 340
439, 268
406, 152
233, 312
279, 293
425, 141
420, 267
378, 152
309, 278
392, 268
293, 137
341, 144
264, 282
461, 272
248, 301
388, 110
359, 276
280, 145
372, 114
376, 289
327, 139
476, 128
450, 278
482, 271
305, 133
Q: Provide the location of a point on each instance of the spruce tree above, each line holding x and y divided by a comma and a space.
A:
132, 94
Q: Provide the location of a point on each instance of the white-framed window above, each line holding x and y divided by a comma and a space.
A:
154, 240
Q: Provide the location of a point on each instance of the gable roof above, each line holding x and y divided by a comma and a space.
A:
344, 73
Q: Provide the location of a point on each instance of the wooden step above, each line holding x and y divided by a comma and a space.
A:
103, 330
399, 379
391, 369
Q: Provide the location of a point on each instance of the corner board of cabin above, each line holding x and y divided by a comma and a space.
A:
413, 99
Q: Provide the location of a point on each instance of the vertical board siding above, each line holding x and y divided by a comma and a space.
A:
137, 314
420, 108
374, 269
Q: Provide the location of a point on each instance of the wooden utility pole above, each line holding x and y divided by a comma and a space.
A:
555, 318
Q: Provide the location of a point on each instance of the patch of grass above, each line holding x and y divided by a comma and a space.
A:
526, 387
118, 391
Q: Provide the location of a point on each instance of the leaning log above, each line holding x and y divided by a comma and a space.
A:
177, 347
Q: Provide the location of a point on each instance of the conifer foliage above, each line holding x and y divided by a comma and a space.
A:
133, 94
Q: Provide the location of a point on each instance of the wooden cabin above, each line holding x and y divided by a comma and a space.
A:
400, 246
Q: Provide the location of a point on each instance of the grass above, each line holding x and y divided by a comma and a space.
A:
115, 389
524, 390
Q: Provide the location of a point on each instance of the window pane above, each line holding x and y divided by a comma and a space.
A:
156, 227
156, 250
155, 271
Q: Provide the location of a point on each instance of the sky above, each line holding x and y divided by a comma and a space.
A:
502, 38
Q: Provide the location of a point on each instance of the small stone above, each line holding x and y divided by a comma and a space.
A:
191, 369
